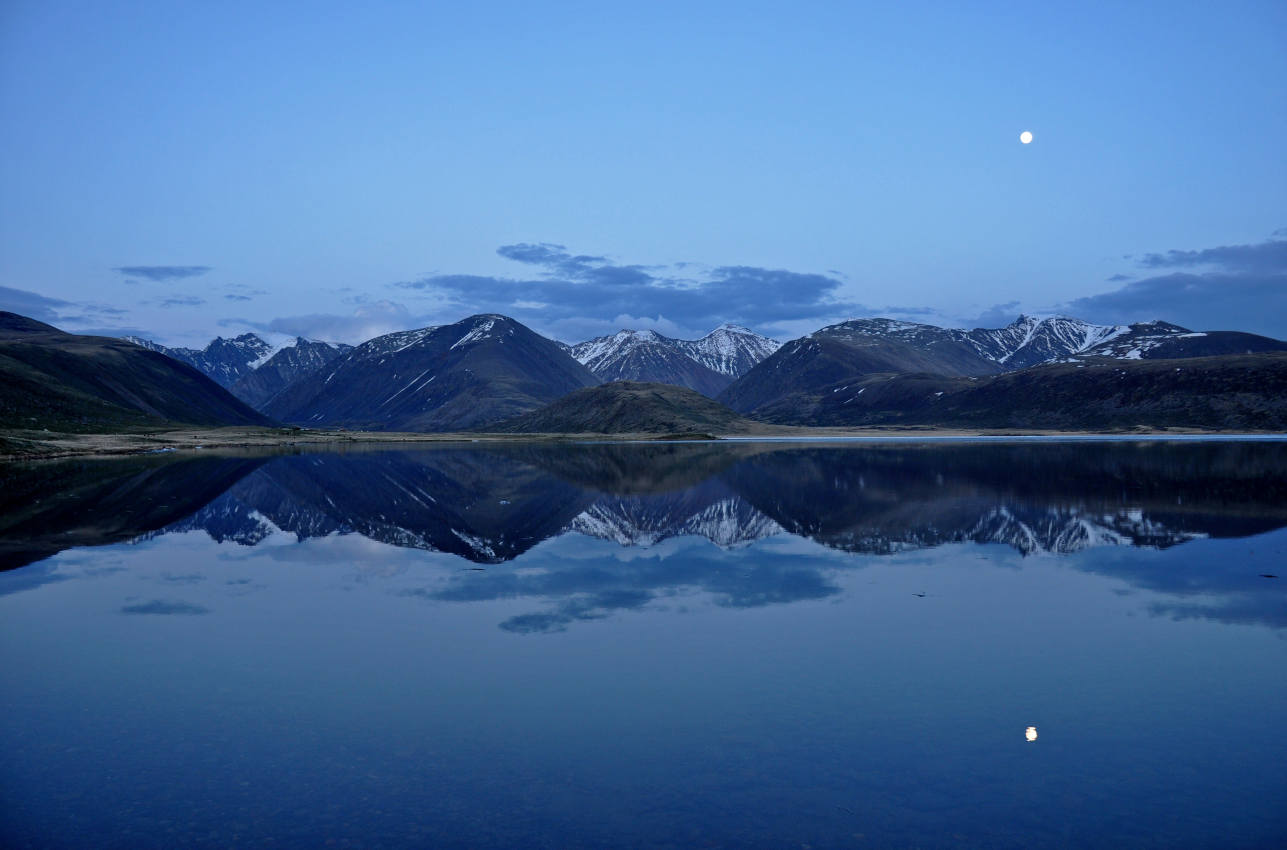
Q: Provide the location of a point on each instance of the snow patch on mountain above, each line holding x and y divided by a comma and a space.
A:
481, 330
1027, 341
595, 354
727, 522
728, 350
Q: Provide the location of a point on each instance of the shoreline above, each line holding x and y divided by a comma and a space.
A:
18, 446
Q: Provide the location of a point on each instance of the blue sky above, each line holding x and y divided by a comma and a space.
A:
186, 170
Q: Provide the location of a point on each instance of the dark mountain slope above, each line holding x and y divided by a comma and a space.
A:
815, 372
290, 364
1227, 392
481, 369
50, 379
1209, 344
626, 407
12, 324
796, 371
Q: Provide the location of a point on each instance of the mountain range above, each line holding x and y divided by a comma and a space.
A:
881, 371
224, 361
249, 366
487, 369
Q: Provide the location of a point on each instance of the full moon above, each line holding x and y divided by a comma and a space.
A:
1025, 137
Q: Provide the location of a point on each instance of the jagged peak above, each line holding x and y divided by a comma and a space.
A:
626, 333
730, 327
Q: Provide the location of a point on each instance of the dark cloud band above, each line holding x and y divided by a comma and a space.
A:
162, 273
1238, 287
579, 285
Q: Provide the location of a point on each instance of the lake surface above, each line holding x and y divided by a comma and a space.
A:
691, 645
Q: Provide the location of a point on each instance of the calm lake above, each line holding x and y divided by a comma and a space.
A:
953, 644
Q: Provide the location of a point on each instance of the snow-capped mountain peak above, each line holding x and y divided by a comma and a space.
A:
1029, 340
730, 349
598, 353
223, 360
706, 365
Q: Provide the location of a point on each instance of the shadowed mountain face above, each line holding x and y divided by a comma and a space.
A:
1234, 392
492, 505
71, 382
50, 506
481, 369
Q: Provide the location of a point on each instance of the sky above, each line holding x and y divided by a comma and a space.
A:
337, 171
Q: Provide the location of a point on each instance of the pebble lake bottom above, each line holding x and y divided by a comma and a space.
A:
701, 645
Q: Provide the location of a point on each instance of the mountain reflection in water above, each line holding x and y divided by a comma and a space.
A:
491, 504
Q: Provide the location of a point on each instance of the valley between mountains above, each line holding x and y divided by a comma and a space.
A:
491, 374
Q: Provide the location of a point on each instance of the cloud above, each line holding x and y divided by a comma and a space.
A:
233, 297
1118, 278
182, 301
31, 304
82, 318
162, 606
1239, 287
575, 592
579, 290
113, 331
162, 273
996, 316
1266, 257
369, 320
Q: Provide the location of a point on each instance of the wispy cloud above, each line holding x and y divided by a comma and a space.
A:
162, 273
182, 301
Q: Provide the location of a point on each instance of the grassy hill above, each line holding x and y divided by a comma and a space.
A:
65, 382
1232, 392
629, 407
831, 356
